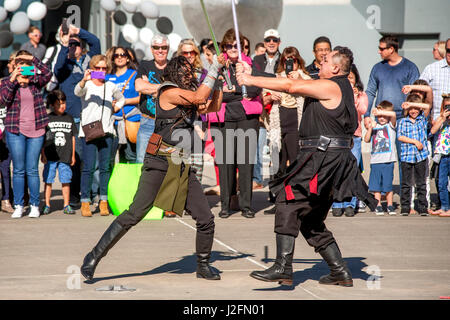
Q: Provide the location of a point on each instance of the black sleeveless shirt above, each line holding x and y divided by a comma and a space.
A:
339, 122
175, 125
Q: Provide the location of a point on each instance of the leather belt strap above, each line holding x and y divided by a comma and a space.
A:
322, 143
147, 116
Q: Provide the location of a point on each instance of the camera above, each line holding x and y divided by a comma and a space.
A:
98, 75
27, 71
289, 66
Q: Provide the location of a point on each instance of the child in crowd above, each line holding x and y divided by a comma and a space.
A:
412, 133
383, 155
58, 152
442, 151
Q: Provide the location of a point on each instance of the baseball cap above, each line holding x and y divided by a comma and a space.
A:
271, 33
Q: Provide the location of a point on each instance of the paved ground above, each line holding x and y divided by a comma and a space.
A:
391, 257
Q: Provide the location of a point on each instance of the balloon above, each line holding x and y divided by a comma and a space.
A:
3, 14
174, 40
6, 39
139, 48
53, 4
146, 35
132, 2
164, 25
108, 5
19, 23
130, 33
36, 11
12, 5
139, 20
130, 8
149, 9
120, 17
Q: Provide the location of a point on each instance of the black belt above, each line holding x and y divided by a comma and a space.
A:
323, 143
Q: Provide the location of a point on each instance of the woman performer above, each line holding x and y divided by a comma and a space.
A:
164, 182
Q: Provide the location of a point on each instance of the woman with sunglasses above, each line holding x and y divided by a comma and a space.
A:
25, 122
178, 100
239, 115
97, 100
286, 112
123, 75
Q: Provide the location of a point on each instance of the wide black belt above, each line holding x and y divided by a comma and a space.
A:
323, 143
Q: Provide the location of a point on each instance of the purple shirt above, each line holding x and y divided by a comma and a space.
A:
27, 120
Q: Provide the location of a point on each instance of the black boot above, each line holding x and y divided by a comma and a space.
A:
106, 242
204, 245
340, 274
281, 271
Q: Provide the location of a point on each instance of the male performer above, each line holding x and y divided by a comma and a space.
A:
324, 171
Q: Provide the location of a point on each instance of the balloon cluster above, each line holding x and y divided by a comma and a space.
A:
20, 21
136, 32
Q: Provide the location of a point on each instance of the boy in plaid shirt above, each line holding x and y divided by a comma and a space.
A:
412, 133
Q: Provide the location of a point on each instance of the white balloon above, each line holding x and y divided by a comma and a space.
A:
130, 33
19, 23
146, 35
174, 40
130, 8
3, 14
132, 2
108, 5
36, 11
149, 9
12, 5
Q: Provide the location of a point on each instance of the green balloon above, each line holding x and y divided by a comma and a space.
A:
122, 187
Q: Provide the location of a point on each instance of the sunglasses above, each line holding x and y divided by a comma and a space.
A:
382, 49
120, 55
164, 48
100, 68
275, 40
189, 53
74, 44
231, 46
447, 50
246, 47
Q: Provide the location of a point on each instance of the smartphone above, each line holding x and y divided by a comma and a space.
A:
65, 26
27, 71
98, 75
289, 66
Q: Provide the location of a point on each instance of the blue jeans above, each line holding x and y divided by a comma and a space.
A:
146, 129
103, 148
356, 150
25, 158
75, 184
444, 173
258, 168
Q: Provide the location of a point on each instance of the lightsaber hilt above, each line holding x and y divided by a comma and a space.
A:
238, 41
216, 46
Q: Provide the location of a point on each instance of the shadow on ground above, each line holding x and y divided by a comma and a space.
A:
187, 264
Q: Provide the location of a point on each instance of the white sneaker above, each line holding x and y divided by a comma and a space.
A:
18, 212
34, 213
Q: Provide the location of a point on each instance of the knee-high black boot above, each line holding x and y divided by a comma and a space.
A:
281, 271
203, 244
106, 242
340, 274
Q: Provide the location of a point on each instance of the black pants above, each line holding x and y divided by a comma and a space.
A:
236, 153
306, 214
153, 173
289, 149
414, 174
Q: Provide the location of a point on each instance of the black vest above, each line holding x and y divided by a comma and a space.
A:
340, 122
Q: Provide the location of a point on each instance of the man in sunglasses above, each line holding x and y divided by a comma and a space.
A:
34, 46
268, 62
147, 83
437, 75
71, 63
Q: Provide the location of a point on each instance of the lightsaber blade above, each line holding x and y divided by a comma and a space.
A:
213, 37
238, 41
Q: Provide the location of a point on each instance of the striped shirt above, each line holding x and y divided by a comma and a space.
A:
437, 75
10, 97
414, 130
